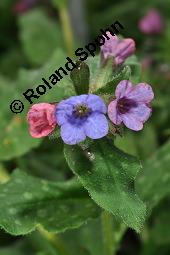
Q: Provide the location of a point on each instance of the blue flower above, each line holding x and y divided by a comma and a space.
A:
81, 116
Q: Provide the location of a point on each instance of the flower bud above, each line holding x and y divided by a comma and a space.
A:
41, 119
119, 49
151, 23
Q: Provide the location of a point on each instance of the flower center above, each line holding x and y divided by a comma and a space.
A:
124, 105
81, 110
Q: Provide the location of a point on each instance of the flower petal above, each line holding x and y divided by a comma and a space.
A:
72, 134
41, 131
136, 117
141, 93
63, 111
108, 49
96, 103
96, 126
125, 48
113, 113
75, 100
131, 122
123, 88
142, 112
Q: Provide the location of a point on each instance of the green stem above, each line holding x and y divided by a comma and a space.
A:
54, 240
67, 30
112, 233
108, 236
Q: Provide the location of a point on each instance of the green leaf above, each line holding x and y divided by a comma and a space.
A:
84, 238
94, 66
127, 143
80, 77
141, 144
123, 74
14, 135
104, 75
135, 67
39, 163
153, 183
32, 78
27, 201
108, 174
40, 36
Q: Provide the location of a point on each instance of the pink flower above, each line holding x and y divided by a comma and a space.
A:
131, 105
41, 119
152, 23
119, 49
23, 6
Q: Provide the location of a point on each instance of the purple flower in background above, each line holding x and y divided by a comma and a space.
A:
23, 6
152, 23
119, 49
81, 116
131, 105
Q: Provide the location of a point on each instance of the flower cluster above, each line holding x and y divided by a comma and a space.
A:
88, 115
85, 115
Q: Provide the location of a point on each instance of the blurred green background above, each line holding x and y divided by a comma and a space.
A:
35, 38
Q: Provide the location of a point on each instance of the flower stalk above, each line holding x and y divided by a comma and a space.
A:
108, 235
67, 30
112, 233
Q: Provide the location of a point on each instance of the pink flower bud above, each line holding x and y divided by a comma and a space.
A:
119, 49
151, 23
41, 119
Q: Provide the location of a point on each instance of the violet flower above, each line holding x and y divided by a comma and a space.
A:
151, 23
119, 49
81, 116
41, 119
131, 105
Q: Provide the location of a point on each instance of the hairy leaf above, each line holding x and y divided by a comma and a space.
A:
27, 201
135, 67
104, 75
108, 174
80, 77
121, 74
94, 66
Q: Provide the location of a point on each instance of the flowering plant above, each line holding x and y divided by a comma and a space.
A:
94, 115
89, 159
